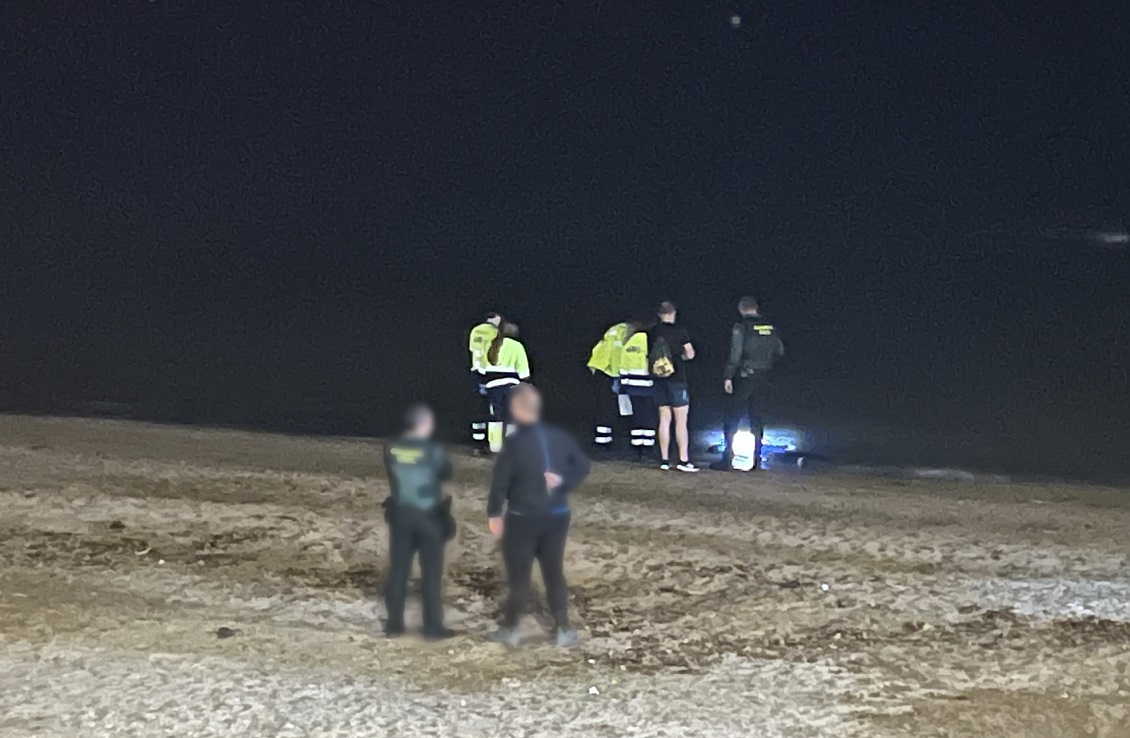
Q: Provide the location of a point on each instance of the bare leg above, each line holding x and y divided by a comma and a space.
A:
682, 437
664, 433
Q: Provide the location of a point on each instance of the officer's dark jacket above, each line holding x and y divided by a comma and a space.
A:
754, 347
416, 467
519, 472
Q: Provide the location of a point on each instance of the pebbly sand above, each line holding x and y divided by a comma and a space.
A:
717, 605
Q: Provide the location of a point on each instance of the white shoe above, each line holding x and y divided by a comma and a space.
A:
568, 638
505, 636
686, 467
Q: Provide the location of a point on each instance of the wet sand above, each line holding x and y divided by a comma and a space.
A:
716, 605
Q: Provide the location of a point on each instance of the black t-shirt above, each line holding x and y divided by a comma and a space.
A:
677, 339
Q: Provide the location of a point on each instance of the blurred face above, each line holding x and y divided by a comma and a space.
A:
425, 426
525, 407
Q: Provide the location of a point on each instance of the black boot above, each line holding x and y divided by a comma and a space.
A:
726, 463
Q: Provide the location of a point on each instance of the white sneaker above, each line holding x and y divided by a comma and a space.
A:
505, 636
686, 466
568, 638
664, 466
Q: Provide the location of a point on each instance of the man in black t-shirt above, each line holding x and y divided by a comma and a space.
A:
672, 394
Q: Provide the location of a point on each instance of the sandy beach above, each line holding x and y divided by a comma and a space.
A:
761, 605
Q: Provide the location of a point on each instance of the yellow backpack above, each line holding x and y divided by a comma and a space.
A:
660, 360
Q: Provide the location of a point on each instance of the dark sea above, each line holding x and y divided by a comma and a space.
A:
1028, 433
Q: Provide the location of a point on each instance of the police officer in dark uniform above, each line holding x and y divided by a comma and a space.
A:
754, 347
419, 520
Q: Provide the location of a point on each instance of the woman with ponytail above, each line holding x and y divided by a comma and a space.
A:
506, 366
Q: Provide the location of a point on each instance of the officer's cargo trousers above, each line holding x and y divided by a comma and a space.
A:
747, 399
413, 531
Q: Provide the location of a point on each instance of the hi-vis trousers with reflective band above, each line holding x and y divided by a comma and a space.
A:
498, 427
637, 409
631, 417
643, 421
607, 423
482, 413
621, 419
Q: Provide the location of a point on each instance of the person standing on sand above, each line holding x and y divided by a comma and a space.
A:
755, 346
669, 347
507, 366
479, 341
419, 520
528, 508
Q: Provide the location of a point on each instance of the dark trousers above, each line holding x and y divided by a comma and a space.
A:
643, 421
608, 428
499, 398
413, 531
747, 400
524, 539
482, 413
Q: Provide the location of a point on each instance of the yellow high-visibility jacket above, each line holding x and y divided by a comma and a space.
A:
512, 366
481, 337
635, 374
605, 357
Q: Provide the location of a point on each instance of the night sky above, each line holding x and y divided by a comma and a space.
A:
288, 214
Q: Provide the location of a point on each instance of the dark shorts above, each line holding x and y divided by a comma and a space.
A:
669, 393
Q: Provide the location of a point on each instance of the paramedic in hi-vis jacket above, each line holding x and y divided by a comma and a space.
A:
481, 337
635, 394
506, 366
604, 363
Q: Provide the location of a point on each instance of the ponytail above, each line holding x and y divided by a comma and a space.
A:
495, 347
505, 330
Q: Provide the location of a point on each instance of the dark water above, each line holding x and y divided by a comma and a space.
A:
1036, 385
850, 423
